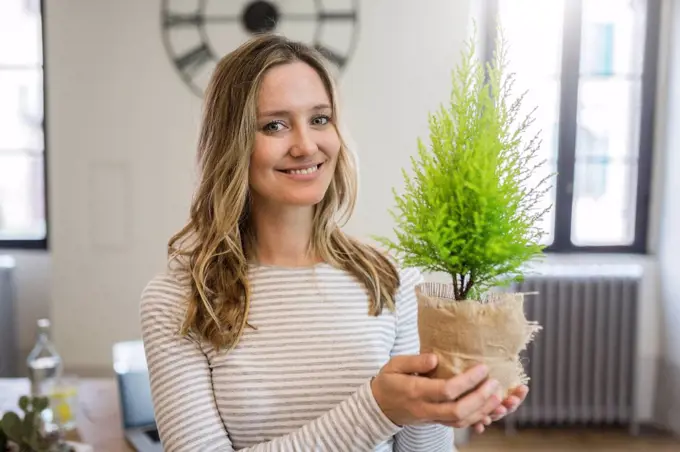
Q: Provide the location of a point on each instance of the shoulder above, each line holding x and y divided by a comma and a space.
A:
409, 278
165, 294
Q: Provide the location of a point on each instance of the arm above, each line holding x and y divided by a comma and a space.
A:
184, 402
430, 437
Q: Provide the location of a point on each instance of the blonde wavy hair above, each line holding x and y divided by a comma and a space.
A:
216, 244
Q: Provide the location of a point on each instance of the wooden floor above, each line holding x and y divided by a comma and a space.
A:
563, 440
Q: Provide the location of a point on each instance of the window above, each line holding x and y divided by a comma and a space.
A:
589, 68
22, 141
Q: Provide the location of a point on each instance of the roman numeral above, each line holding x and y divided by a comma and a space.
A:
181, 20
325, 15
192, 60
332, 55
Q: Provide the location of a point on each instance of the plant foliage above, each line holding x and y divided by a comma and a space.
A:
470, 208
26, 434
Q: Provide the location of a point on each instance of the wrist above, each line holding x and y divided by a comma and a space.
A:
374, 398
378, 398
374, 392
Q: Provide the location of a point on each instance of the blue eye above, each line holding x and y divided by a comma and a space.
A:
321, 120
273, 126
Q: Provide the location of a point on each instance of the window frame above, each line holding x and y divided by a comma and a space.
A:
568, 109
43, 243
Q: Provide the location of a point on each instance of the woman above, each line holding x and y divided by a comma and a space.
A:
272, 330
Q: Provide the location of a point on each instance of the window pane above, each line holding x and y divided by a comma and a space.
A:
20, 33
533, 57
21, 196
536, 64
21, 110
544, 96
612, 36
608, 123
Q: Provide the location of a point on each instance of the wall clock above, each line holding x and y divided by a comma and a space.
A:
197, 33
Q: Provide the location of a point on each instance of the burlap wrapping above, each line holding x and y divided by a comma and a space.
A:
465, 333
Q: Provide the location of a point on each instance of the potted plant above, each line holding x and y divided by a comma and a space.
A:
471, 209
26, 433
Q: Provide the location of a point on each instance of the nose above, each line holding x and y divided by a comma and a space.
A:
304, 144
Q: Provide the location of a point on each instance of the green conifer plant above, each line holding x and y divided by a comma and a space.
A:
471, 208
467, 210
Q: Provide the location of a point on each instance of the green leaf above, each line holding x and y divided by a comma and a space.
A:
11, 425
31, 425
24, 402
470, 205
40, 403
3, 440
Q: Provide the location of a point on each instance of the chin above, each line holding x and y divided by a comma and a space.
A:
301, 201
303, 198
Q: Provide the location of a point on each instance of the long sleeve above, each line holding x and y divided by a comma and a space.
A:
430, 437
185, 407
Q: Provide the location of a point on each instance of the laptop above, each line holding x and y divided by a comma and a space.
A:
134, 390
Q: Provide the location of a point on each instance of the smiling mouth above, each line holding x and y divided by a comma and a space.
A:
308, 170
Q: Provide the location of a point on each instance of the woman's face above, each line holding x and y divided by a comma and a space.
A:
296, 144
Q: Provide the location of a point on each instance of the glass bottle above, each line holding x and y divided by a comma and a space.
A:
44, 363
44, 366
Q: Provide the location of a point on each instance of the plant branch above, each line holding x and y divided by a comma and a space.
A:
473, 202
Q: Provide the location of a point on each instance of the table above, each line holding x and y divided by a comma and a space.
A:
98, 416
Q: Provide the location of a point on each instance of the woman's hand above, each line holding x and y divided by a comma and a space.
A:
408, 399
509, 405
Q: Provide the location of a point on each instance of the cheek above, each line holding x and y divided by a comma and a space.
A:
331, 146
258, 167
263, 157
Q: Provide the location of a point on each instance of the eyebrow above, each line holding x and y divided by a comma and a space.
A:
286, 112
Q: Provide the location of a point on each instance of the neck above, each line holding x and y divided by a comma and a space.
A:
283, 235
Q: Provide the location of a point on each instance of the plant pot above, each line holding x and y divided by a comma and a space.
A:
465, 333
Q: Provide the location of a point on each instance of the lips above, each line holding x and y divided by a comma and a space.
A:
303, 170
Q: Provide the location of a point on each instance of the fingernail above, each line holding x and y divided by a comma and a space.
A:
482, 371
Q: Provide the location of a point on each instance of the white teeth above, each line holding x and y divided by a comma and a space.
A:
310, 170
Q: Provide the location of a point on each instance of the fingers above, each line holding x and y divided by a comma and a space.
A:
521, 392
415, 364
498, 413
511, 403
468, 409
481, 426
479, 400
516, 398
483, 415
492, 403
453, 388
440, 390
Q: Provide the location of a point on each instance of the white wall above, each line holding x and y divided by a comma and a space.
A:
32, 276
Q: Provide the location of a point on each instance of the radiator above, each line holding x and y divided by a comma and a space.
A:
582, 364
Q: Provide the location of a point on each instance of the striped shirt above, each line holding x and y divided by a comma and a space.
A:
298, 381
